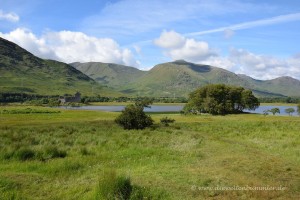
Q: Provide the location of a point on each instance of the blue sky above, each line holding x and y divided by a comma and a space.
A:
256, 38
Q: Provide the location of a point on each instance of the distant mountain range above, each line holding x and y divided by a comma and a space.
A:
21, 71
179, 78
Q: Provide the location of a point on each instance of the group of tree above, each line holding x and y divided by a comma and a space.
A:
220, 99
289, 111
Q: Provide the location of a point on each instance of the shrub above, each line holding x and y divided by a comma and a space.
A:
133, 117
166, 121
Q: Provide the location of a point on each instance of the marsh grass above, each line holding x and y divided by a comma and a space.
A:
63, 156
112, 187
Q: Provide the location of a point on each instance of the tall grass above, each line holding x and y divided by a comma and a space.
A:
62, 156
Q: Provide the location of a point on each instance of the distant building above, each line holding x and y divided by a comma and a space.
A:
66, 99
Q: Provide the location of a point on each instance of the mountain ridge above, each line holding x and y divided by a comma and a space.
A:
23, 72
181, 77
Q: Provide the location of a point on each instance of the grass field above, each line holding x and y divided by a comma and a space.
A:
66, 154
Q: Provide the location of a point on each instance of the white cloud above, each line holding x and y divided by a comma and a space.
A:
170, 40
262, 66
241, 61
178, 47
222, 62
70, 47
10, 16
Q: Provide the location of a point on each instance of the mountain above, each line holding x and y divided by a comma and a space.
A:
285, 85
21, 71
110, 74
179, 78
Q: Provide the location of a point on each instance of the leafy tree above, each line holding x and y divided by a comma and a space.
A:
290, 111
166, 121
134, 117
219, 99
275, 110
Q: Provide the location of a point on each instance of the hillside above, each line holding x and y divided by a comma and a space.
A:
21, 71
110, 74
179, 78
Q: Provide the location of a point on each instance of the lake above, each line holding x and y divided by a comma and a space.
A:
174, 108
261, 110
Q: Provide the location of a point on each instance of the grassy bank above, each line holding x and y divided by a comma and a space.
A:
66, 154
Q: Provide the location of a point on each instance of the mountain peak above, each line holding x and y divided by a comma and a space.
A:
181, 61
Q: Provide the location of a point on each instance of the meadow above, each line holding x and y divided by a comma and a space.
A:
64, 154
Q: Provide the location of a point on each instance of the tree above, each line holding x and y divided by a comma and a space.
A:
298, 109
134, 117
275, 110
290, 111
219, 99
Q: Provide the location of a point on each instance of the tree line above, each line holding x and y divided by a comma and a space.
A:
44, 99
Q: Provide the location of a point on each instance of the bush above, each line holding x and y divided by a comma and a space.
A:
133, 117
166, 121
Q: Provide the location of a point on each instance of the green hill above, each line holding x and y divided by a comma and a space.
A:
179, 78
113, 75
22, 72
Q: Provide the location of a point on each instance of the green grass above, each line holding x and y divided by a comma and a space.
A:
68, 154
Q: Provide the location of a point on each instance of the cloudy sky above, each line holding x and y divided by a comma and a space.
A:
253, 37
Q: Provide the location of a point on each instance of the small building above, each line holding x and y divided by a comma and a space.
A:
70, 99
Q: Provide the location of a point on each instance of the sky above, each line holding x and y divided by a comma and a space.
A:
259, 38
